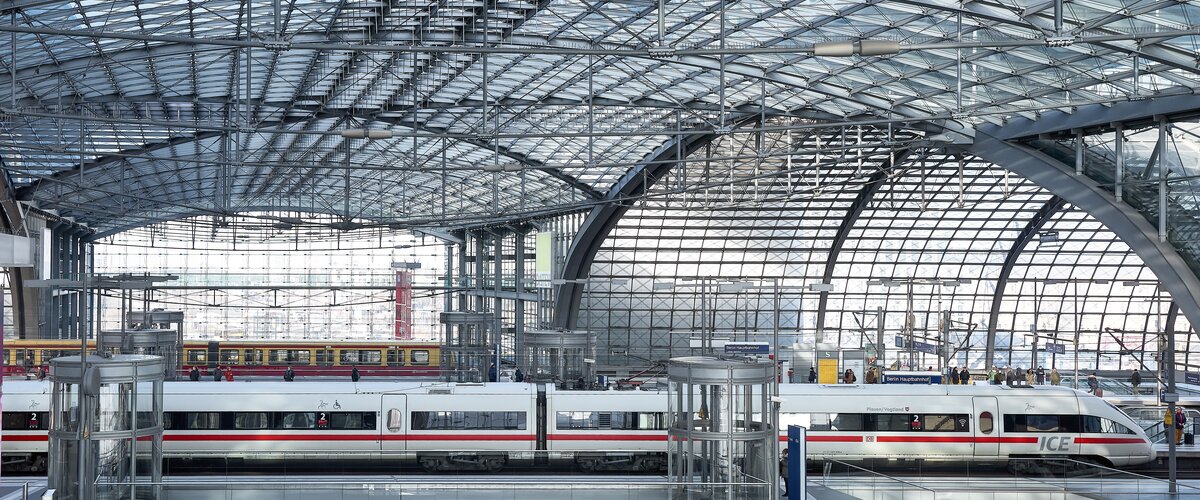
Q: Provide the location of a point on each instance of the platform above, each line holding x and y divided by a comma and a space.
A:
1190, 451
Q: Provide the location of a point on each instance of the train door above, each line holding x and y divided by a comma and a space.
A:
393, 415
987, 426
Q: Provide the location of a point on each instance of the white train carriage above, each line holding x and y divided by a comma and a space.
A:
24, 425
963, 423
268, 421
605, 430
484, 427
463, 426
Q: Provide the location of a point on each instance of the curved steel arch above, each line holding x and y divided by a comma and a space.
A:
852, 214
1043, 215
1124, 221
600, 221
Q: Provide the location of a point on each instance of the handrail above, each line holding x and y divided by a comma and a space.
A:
1098, 466
885, 476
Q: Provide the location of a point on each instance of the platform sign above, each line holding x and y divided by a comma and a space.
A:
747, 348
1191, 378
543, 247
797, 463
917, 378
827, 370
924, 347
1056, 348
899, 341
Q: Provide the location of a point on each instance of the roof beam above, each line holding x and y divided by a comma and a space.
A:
1039, 219
865, 195
604, 216
1086, 194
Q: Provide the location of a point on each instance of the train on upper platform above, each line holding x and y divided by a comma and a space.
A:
486, 427
261, 357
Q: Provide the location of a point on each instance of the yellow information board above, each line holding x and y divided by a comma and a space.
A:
827, 371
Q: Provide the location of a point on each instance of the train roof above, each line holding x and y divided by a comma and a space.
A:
206, 387
509, 388
924, 390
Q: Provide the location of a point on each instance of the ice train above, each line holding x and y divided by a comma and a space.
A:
489, 426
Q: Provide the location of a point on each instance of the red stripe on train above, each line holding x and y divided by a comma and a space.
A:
607, 437
1095, 440
27, 437
924, 439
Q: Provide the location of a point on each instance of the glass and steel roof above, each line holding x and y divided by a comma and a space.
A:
124, 113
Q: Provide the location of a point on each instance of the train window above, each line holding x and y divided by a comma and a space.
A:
298, 420
395, 357
468, 420
395, 422
985, 422
947, 423
847, 421
648, 421
231, 357
202, 420
325, 357
1096, 425
7, 362
419, 357
352, 420
289, 356
1041, 423
889, 422
578, 420
197, 356
254, 356
361, 357
256, 420
145, 419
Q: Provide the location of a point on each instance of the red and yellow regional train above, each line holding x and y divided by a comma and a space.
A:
261, 357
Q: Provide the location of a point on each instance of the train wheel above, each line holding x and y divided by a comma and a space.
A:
432, 464
587, 464
494, 464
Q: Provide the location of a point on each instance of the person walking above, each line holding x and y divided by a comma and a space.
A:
1055, 378
354, 376
1135, 380
194, 375
812, 375
1093, 384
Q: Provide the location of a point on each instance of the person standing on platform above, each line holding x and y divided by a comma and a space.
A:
1029, 377
954, 376
1040, 376
518, 376
1180, 420
812, 375
217, 374
1168, 423
1093, 384
1135, 380
354, 376
1055, 378
964, 377
289, 374
783, 470
229, 374
194, 375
